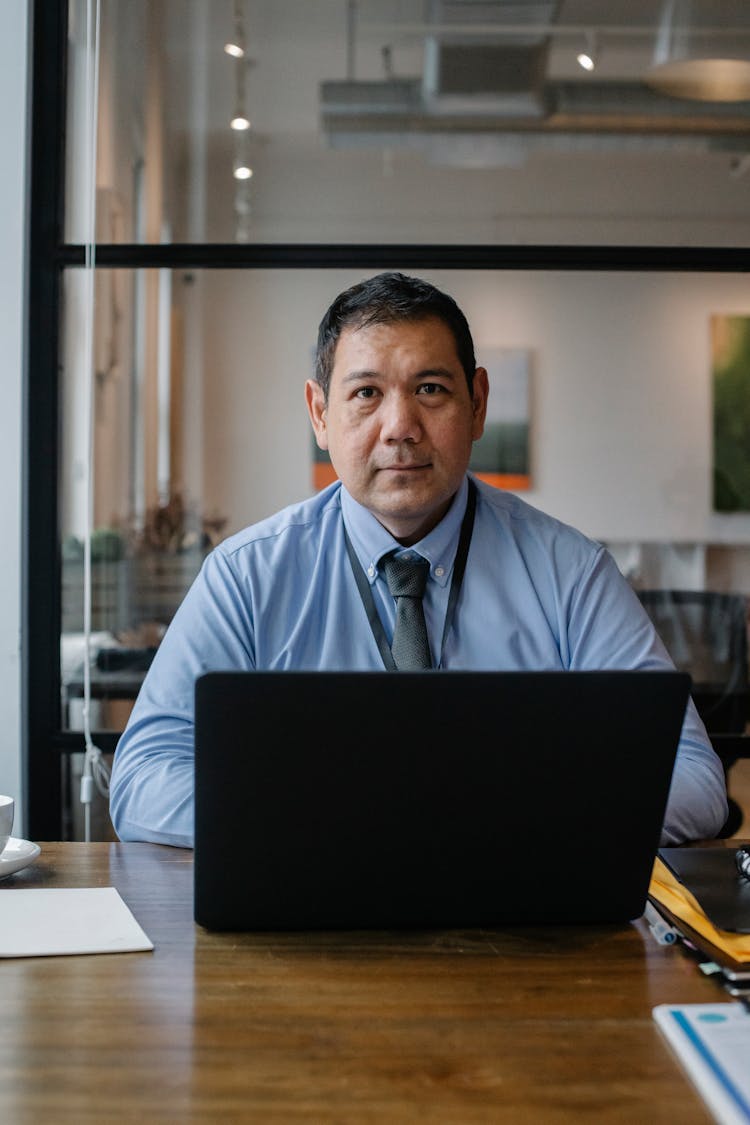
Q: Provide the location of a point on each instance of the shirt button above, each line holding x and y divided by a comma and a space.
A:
439, 571
371, 571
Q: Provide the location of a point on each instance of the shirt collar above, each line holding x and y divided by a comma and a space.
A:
371, 541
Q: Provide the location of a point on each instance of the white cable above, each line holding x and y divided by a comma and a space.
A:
95, 770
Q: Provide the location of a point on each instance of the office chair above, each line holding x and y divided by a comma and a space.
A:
705, 633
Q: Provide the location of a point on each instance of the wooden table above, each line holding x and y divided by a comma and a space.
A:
525, 1025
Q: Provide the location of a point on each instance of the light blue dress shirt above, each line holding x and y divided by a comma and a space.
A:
281, 594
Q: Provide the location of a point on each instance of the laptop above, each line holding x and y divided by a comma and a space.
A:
412, 800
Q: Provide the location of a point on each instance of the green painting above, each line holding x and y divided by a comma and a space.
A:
730, 350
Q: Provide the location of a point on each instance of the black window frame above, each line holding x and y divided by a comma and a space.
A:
44, 742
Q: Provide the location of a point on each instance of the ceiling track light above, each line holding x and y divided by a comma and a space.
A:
235, 45
240, 121
587, 57
240, 125
241, 167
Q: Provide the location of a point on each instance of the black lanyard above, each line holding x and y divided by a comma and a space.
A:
459, 566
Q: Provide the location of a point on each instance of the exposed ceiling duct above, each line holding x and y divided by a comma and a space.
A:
487, 98
501, 74
579, 116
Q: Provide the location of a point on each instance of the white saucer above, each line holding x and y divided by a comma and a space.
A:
17, 854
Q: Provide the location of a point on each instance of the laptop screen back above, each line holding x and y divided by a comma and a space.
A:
368, 800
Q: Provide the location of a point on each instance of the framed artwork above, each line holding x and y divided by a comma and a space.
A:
502, 455
730, 362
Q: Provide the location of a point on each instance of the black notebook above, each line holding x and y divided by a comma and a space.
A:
711, 876
372, 800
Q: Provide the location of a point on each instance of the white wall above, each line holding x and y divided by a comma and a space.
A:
621, 426
14, 27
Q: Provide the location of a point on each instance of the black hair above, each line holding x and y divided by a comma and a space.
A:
387, 299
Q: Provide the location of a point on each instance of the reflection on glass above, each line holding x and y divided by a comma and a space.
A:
409, 121
151, 529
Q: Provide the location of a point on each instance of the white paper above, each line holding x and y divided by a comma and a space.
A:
712, 1041
55, 921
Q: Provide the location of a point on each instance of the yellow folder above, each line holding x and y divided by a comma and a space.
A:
667, 890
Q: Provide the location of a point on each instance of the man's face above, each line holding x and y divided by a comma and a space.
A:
400, 421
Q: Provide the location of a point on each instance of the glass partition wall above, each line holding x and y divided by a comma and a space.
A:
401, 121
592, 228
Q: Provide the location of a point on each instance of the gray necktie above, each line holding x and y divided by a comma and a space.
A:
406, 580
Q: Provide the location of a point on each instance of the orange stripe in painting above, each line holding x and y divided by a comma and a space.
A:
323, 474
516, 482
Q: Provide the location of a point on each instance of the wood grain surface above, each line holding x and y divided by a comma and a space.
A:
519, 1025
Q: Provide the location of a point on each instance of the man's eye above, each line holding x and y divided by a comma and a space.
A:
430, 388
365, 392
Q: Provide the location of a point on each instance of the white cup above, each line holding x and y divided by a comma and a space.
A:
7, 806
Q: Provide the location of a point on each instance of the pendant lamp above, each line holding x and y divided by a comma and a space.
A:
702, 50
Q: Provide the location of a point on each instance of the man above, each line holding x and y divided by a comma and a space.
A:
397, 401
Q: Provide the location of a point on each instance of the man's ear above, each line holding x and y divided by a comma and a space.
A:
479, 393
316, 408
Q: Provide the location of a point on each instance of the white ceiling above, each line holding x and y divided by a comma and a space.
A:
599, 185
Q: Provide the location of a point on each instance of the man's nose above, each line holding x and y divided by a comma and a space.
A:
400, 418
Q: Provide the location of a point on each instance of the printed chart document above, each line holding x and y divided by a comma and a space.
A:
712, 1041
55, 921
